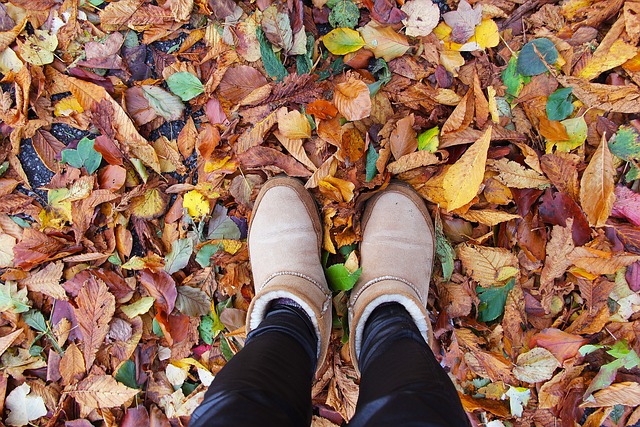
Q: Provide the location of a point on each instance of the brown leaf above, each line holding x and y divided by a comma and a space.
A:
295, 148
462, 115
625, 393
259, 157
89, 94
102, 391
239, 82
597, 185
132, 14
7, 340
413, 160
562, 172
48, 149
255, 135
96, 306
162, 287
187, 138
595, 293
559, 248
488, 217
403, 138
72, 367
597, 262
352, 99
514, 175
618, 99
47, 281
486, 265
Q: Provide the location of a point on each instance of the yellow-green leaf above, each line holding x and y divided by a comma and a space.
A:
342, 41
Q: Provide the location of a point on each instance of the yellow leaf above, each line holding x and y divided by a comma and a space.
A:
196, 204
493, 105
352, 99
384, 42
597, 185
488, 217
225, 164
293, 125
67, 106
451, 60
139, 307
38, 48
487, 34
485, 264
150, 205
57, 213
9, 61
337, 189
604, 60
412, 161
462, 181
342, 41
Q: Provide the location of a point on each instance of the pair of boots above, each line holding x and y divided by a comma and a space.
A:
285, 236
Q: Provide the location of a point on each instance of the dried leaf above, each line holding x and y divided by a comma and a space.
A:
192, 301
422, 17
486, 265
462, 180
625, 393
47, 281
536, 365
514, 175
597, 185
352, 99
24, 406
383, 41
102, 391
72, 367
96, 306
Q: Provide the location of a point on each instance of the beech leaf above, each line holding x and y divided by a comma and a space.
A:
185, 85
597, 185
342, 41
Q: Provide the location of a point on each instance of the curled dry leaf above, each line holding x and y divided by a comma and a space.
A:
352, 99
536, 365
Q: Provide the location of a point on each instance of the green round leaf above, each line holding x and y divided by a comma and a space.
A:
559, 105
530, 64
185, 85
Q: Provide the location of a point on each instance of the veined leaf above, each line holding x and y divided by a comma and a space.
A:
342, 41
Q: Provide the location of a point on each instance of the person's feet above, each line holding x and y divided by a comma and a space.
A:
397, 252
284, 241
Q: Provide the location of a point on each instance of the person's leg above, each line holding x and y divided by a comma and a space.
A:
268, 382
402, 382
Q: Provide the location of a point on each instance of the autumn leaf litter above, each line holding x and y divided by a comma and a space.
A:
136, 135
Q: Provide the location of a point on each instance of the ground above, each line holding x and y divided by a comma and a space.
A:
136, 134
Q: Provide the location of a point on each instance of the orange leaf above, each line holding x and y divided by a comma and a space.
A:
352, 99
322, 109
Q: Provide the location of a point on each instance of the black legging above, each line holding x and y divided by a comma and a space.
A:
268, 382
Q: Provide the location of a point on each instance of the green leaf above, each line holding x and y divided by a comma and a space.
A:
203, 257
492, 301
4, 167
530, 64
165, 104
429, 140
381, 71
342, 41
340, 279
512, 79
632, 174
304, 62
272, 64
617, 413
626, 144
85, 155
205, 329
225, 348
372, 158
155, 327
178, 258
127, 374
444, 251
559, 105
221, 226
35, 319
185, 85
344, 13
13, 300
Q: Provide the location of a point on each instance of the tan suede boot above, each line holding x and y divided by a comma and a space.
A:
396, 257
284, 240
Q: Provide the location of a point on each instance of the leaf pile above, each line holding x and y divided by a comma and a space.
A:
135, 136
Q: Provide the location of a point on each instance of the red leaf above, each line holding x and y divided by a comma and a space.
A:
561, 344
162, 287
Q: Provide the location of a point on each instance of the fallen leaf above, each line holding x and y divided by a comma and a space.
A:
422, 17
484, 264
352, 99
96, 306
341, 41
383, 41
101, 391
23, 406
462, 180
597, 186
